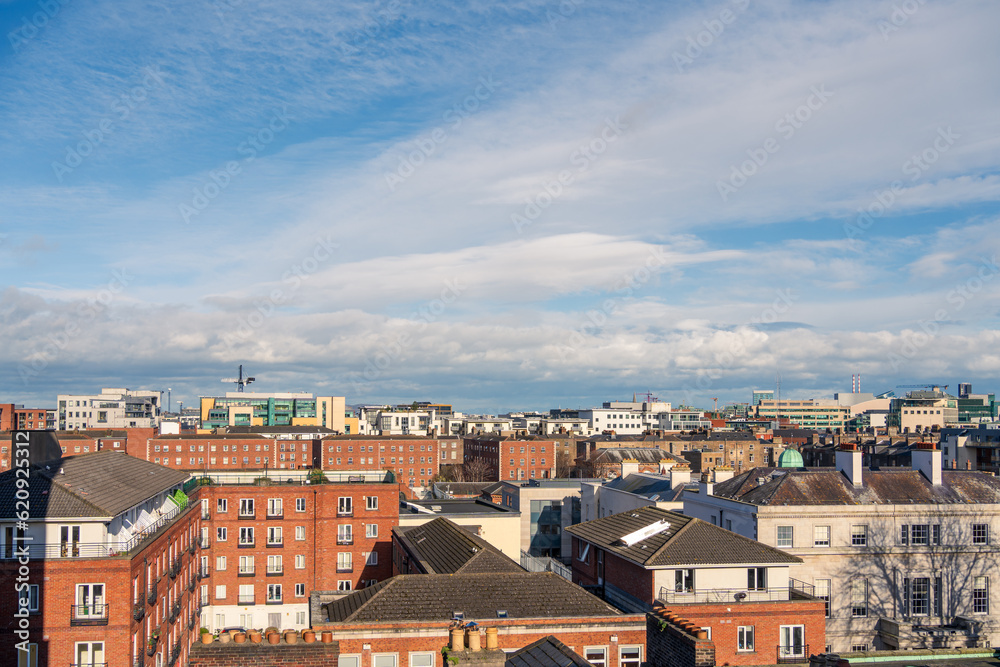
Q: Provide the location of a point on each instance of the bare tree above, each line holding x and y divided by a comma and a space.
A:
477, 470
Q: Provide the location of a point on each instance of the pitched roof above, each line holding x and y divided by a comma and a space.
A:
648, 485
640, 454
686, 541
100, 484
441, 546
888, 486
546, 652
436, 597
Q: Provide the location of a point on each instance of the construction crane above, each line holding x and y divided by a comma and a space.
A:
943, 387
716, 401
240, 381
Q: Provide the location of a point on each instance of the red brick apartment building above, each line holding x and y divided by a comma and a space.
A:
702, 578
216, 452
413, 459
506, 458
17, 417
105, 560
266, 548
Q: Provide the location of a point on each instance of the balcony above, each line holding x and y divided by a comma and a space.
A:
192, 584
275, 545
205, 542
345, 511
175, 612
245, 545
151, 596
139, 612
345, 539
793, 654
723, 595
275, 516
205, 572
192, 621
275, 571
246, 517
245, 572
245, 599
88, 614
345, 568
175, 654
274, 601
194, 545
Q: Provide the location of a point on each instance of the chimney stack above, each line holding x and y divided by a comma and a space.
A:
926, 458
722, 473
705, 486
629, 467
848, 461
680, 474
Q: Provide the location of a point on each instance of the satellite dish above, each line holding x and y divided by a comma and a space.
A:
740, 596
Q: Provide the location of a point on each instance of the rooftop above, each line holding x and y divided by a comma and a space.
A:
546, 652
686, 541
478, 597
452, 506
648, 485
443, 547
886, 486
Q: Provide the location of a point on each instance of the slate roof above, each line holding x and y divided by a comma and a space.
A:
648, 485
889, 486
100, 484
441, 546
688, 541
546, 652
436, 597
640, 454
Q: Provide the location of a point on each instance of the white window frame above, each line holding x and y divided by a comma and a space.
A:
428, 658
222, 505
629, 662
274, 535
371, 530
275, 507
778, 540
221, 534
742, 645
393, 656
300, 504
247, 507
371, 502
600, 660
818, 542
247, 535
300, 533
300, 562
274, 593
300, 590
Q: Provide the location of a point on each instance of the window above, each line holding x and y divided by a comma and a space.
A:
596, 655
300, 504
920, 534
981, 595
349, 661
89, 653
33, 597
683, 581
220, 592
274, 565
274, 534
90, 603
300, 562
744, 638
221, 533
274, 507
372, 558
980, 533
859, 598
859, 536
246, 535
823, 593
344, 585
583, 551
344, 563
300, 532
859, 648
345, 534
920, 596
28, 658
630, 656
784, 536
371, 530
904, 534
791, 640
371, 502
345, 506
421, 660
220, 563
246, 507
936, 534
757, 578
246, 565
300, 590
221, 505
274, 593
821, 536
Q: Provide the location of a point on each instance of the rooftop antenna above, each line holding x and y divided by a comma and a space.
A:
240, 381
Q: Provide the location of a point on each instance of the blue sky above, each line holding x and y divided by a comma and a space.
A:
514, 206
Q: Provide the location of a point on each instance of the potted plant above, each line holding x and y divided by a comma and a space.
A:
291, 636
309, 635
255, 637
225, 638
206, 636
240, 637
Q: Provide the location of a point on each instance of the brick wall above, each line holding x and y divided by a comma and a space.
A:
668, 645
247, 654
414, 460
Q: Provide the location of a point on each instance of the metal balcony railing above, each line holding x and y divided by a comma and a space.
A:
205, 542
245, 599
275, 571
246, 572
722, 595
139, 612
345, 539
793, 653
89, 614
204, 572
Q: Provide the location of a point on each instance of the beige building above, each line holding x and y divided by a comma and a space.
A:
498, 526
808, 413
904, 557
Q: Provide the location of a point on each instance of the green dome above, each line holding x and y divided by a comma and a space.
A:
790, 458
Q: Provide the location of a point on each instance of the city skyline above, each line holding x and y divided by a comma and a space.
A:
500, 207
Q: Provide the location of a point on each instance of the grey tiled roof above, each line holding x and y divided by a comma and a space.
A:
103, 483
441, 546
687, 541
828, 486
546, 652
640, 454
647, 485
436, 597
